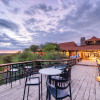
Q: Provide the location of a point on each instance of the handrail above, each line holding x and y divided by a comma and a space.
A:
6, 76
33, 61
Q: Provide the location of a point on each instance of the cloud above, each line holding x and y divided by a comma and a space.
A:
9, 25
6, 2
16, 10
48, 21
83, 19
77, 19
61, 4
5, 38
8, 43
30, 21
44, 7
32, 24
32, 10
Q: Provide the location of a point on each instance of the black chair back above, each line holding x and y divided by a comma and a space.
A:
66, 74
54, 90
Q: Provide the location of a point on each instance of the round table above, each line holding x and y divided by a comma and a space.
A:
49, 72
28, 67
13, 70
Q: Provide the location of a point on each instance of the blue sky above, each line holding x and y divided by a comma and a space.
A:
27, 22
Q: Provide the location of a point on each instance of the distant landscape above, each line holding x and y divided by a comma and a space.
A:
5, 53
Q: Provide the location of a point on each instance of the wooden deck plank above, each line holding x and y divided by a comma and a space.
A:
84, 86
79, 85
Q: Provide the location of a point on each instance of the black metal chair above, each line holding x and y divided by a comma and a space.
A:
66, 74
31, 81
59, 91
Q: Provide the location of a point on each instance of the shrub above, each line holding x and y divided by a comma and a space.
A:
25, 56
1, 82
34, 48
50, 47
53, 55
6, 58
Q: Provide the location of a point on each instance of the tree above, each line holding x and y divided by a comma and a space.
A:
25, 56
26, 49
53, 55
34, 48
51, 47
41, 46
7, 58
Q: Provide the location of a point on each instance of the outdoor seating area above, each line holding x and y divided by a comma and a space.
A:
82, 79
49, 50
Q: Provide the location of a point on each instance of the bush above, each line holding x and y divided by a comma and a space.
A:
6, 59
53, 55
51, 47
25, 56
34, 48
1, 82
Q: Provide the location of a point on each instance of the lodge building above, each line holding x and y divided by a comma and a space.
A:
88, 49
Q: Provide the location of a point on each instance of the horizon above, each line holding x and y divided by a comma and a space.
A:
24, 23
8, 52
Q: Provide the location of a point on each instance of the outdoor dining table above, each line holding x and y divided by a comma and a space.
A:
49, 72
27, 67
14, 70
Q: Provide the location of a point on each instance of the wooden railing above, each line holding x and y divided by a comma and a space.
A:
98, 65
9, 74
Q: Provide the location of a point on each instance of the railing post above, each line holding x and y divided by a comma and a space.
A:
76, 60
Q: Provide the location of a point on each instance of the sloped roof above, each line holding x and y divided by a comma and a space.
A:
85, 47
93, 39
73, 46
66, 45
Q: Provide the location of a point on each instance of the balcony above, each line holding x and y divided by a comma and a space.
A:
83, 84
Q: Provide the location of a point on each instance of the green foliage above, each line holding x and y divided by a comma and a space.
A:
41, 46
25, 56
1, 60
51, 52
26, 49
1, 82
53, 55
50, 47
1, 68
34, 48
6, 58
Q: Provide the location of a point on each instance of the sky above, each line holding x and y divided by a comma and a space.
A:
27, 22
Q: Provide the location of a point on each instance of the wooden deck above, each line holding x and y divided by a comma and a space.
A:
88, 62
84, 86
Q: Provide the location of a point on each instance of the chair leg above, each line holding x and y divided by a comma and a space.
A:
39, 91
47, 95
24, 92
70, 91
28, 92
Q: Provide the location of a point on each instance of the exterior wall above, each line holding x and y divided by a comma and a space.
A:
70, 53
93, 43
90, 54
67, 54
